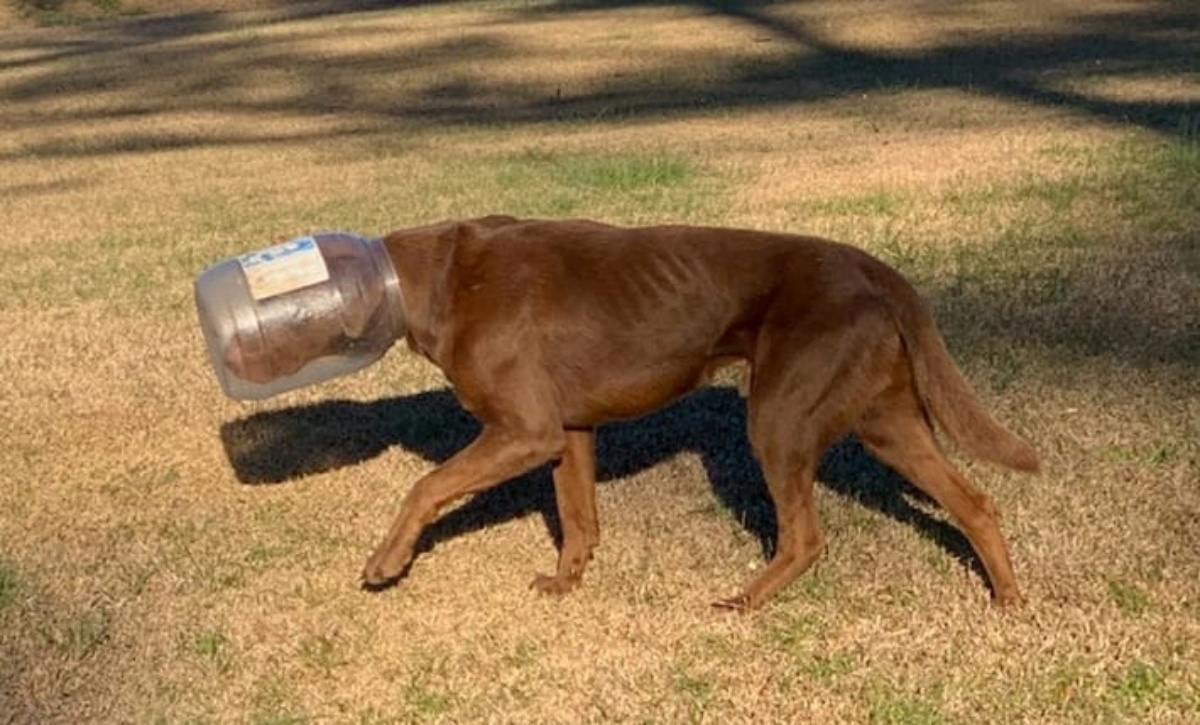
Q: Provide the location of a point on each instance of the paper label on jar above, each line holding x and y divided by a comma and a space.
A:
284, 268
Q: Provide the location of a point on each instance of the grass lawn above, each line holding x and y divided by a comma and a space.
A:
168, 555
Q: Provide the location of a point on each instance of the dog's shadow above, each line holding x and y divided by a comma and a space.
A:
280, 445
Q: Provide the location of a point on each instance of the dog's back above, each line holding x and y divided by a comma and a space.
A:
626, 320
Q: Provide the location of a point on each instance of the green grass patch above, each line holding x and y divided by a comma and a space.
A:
795, 634
322, 653
1057, 194
72, 12
524, 653
826, 667
628, 174
10, 584
568, 182
696, 689
279, 718
129, 273
262, 555
274, 703
192, 549
1155, 184
425, 692
1043, 249
631, 186
1143, 686
212, 648
1128, 597
877, 203
210, 644
817, 585
82, 636
895, 709
1181, 157
1159, 453
428, 702
1140, 685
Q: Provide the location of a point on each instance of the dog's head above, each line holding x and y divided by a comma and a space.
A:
337, 319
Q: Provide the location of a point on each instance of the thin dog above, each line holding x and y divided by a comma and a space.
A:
547, 329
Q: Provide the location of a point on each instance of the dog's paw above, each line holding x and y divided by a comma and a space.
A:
383, 569
374, 580
1008, 600
553, 585
740, 603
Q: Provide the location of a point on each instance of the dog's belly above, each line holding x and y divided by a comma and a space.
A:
625, 398
616, 368
629, 387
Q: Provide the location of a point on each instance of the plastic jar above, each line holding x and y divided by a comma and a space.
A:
299, 313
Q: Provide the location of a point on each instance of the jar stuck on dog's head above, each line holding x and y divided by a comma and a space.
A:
299, 313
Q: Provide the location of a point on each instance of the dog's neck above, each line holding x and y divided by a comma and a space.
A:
420, 259
392, 288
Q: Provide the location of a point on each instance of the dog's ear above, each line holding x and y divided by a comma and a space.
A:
460, 254
467, 230
459, 241
496, 221
456, 233
471, 229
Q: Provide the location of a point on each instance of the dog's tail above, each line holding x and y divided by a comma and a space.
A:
941, 386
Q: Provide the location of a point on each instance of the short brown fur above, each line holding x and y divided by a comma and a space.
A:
547, 329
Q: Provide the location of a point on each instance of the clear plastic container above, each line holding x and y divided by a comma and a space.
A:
299, 313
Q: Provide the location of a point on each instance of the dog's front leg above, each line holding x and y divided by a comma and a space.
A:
497, 455
575, 494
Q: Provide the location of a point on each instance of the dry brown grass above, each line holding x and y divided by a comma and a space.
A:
1035, 170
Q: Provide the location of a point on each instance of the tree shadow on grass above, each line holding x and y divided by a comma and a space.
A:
1041, 67
1057, 64
281, 445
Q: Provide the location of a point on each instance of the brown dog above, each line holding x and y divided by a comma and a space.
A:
547, 329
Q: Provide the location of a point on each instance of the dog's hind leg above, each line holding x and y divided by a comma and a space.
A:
799, 540
807, 391
575, 495
897, 432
